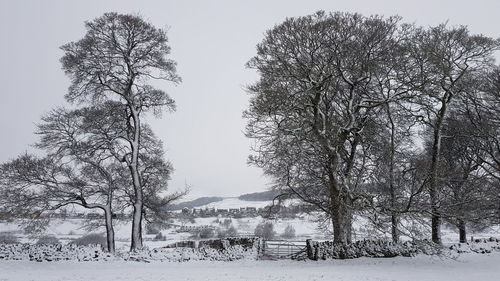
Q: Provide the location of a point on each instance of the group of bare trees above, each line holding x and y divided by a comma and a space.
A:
363, 116
354, 115
98, 153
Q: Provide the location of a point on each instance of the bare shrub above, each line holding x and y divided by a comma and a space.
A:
8, 238
227, 223
265, 230
203, 233
152, 229
48, 240
160, 237
231, 231
91, 239
206, 233
289, 232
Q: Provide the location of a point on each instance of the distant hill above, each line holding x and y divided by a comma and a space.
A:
259, 196
231, 202
195, 203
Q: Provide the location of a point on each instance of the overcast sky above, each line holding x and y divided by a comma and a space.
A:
211, 42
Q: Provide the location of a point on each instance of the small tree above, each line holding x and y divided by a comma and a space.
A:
90, 239
227, 231
265, 230
206, 233
289, 232
48, 240
8, 238
37, 185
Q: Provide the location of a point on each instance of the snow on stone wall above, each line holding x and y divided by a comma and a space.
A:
224, 251
53, 252
231, 253
381, 248
231, 250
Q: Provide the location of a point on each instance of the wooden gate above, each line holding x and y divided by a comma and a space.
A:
277, 249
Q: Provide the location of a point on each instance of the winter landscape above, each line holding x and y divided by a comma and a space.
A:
249, 140
481, 256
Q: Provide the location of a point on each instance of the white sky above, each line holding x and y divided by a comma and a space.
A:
211, 41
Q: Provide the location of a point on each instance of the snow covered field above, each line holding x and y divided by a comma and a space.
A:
234, 202
305, 227
70, 229
422, 268
468, 266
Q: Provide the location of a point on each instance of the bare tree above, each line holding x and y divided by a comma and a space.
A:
94, 136
451, 59
479, 113
114, 62
316, 93
392, 155
33, 185
79, 169
483, 112
390, 138
83, 167
464, 183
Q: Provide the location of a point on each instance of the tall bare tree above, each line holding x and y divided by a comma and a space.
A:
483, 112
114, 62
479, 113
392, 155
451, 59
316, 93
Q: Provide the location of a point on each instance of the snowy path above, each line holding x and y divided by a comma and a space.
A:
422, 268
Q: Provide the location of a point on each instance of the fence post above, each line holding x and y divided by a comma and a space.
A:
310, 249
263, 247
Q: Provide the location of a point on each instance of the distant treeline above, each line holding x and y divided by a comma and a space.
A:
195, 203
259, 196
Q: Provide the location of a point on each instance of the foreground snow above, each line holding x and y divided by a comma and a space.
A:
421, 268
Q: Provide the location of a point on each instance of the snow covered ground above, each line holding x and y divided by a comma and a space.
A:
466, 267
305, 227
70, 229
422, 268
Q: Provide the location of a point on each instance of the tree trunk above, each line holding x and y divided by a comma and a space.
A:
341, 220
462, 232
394, 228
433, 184
348, 222
110, 233
392, 187
435, 214
340, 213
337, 222
136, 228
136, 241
